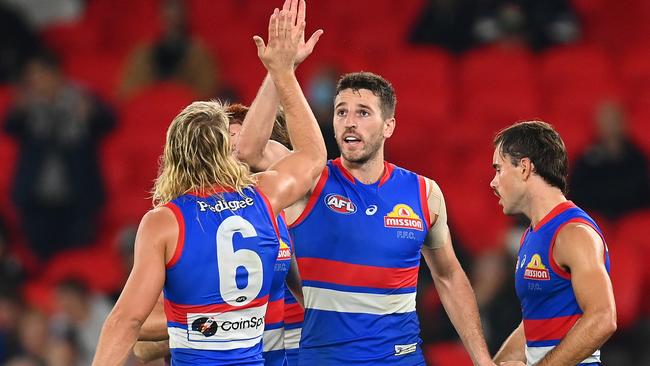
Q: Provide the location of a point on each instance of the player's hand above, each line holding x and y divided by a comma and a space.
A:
279, 54
305, 49
512, 363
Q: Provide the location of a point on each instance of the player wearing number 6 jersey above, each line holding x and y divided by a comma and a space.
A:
211, 241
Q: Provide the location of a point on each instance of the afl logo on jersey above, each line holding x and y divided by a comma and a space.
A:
340, 204
535, 270
404, 217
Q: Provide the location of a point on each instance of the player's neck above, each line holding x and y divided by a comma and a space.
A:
368, 172
542, 202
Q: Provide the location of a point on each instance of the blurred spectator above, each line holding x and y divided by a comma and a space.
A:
320, 91
42, 13
33, 334
458, 25
17, 42
446, 23
538, 23
58, 187
25, 361
79, 316
10, 308
11, 270
611, 177
63, 352
174, 56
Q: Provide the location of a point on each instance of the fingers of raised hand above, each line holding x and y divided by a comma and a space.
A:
293, 11
302, 11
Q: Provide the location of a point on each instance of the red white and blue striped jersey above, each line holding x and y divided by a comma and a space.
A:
548, 303
218, 281
274, 332
293, 317
358, 249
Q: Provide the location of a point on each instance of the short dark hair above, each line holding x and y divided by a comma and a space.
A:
539, 142
379, 86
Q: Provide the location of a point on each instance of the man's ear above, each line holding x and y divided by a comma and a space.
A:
526, 167
389, 127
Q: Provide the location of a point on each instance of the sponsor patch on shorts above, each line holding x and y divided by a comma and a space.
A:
404, 349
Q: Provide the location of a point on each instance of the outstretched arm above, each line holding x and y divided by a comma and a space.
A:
450, 280
154, 327
253, 146
580, 250
291, 178
120, 330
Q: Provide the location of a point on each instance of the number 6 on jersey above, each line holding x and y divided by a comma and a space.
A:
229, 259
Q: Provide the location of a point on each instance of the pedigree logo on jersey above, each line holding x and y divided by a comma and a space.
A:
284, 252
535, 270
404, 217
340, 204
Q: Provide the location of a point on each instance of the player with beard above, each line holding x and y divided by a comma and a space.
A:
359, 236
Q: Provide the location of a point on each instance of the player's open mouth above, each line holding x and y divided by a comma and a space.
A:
351, 140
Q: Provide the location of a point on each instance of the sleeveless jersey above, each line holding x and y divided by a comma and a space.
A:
358, 250
274, 332
218, 281
548, 303
293, 317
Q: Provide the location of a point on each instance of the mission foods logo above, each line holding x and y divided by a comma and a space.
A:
535, 270
404, 217
340, 204
284, 252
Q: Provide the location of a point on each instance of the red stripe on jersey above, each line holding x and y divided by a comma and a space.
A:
274, 312
324, 270
554, 265
271, 213
180, 241
293, 313
178, 312
549, 329
388, 171
554, 212
312, 199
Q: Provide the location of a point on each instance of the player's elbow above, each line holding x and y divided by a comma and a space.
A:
605, 321
248, 154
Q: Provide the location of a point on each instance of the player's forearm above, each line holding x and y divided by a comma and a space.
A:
459, 301
514, 348
150, 351
258, 125
307, 140
154, 328
117, 337
588, 334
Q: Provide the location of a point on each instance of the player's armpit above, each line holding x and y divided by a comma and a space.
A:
150, 351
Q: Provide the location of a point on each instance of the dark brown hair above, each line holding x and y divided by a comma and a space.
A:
379, 86
539, 142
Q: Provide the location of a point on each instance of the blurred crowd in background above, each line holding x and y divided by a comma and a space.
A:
88, 88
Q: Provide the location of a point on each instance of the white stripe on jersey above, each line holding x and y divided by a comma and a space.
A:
355, 302
178, 339
535, 354
273, 339
292, 338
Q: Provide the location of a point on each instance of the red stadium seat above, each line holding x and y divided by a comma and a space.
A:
577, 78
99, 72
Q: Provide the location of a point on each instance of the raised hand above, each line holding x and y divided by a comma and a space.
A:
279, 55
299, 8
